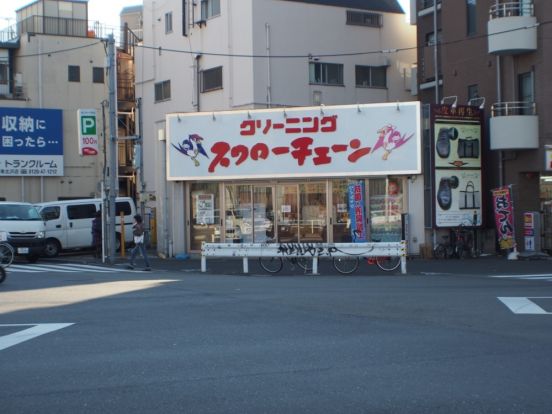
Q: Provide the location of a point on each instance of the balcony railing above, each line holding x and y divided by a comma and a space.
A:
513, 108
512, 8
426, 4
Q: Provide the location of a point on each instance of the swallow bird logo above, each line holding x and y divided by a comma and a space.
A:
192, 147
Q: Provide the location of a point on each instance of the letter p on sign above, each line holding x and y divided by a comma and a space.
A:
88, 125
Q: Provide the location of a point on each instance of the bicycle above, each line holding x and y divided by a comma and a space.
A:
459, 247
275, 264
7, 254
347, 265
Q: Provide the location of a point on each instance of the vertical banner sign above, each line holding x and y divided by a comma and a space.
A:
529, 230
356, 211
88, 132
504, 216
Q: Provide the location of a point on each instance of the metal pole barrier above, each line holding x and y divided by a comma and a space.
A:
123, 238
245, 265
203, 264
315, 265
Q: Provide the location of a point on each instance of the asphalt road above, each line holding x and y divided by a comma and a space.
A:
176, 341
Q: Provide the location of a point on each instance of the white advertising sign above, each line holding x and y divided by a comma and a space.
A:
350, 140
88, 132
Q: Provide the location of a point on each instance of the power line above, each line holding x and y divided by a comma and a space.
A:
298, 56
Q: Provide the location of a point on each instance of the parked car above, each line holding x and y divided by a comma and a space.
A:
69, 223
25, 228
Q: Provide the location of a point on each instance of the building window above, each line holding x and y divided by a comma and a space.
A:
74, 73
168, 22
184, 18
211, 79
98, 75
473, 92
371, 76
326, 73
471, 7
355, 18
209, 8
4, 71
526, 91
430, 38
162, 91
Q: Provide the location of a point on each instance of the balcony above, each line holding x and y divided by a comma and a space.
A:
514, 125
425, 7
512, 28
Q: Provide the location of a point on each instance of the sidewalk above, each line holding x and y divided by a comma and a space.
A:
416, 266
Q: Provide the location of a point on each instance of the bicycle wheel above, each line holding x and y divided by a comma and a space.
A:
6, 254
304, 263
271, 264
345, 265
388, 263
440, 252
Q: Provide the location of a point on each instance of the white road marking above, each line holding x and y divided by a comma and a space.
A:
524, 306
545, 275
62, 268
26, 334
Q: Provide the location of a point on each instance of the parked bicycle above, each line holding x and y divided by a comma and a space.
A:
275, 264
457, 244
347, 265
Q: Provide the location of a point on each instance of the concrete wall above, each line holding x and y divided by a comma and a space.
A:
45, 84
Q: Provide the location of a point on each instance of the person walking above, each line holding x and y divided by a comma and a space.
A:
138, 232
97, 234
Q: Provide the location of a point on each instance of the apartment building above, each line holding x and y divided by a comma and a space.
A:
53, 64
493, 54
209, 56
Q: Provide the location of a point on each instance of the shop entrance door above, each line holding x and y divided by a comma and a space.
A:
263, 214
302, 213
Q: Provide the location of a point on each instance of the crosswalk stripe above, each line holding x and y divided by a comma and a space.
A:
529, 275
546, 277
68, 268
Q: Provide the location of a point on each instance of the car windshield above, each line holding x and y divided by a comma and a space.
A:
18, 212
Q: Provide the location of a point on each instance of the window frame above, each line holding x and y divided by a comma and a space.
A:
471, 17
207, 7
73, 73
323, 73
96, 70
371, 84
367, 19
168, 22
209, 71
162, 91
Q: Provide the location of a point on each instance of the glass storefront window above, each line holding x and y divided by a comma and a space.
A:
205, 215
386, 208
313, 218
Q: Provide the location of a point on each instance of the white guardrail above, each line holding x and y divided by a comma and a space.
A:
309, 250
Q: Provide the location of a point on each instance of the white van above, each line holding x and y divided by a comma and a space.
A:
25, 228
69, 223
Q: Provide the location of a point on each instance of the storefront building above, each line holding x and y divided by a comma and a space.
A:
297, 175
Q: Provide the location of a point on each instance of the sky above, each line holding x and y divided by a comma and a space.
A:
97, 10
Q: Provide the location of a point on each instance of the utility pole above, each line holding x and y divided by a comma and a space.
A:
113, 187
141, 157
